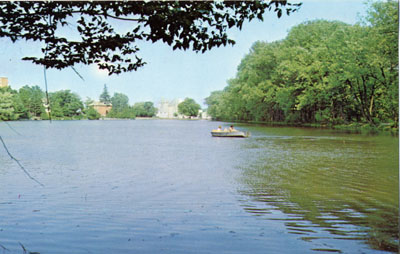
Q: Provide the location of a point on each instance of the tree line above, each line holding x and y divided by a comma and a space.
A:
29, 102
323, 72
122, 109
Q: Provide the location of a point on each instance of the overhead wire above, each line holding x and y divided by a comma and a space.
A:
19, 163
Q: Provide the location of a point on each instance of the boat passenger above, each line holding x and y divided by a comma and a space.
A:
231, 129
218, 130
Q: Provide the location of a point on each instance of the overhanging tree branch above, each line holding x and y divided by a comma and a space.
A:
189, 25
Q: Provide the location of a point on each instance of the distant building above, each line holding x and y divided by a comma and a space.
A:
3, 82
168, 109
101, 107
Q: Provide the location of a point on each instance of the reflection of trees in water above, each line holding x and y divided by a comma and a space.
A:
348, 190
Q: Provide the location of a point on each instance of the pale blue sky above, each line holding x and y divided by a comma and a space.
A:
171, 74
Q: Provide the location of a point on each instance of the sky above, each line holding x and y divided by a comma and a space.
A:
171, 74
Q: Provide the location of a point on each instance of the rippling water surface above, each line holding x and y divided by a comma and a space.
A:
163, 186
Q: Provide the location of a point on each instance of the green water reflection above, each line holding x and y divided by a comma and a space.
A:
335, 187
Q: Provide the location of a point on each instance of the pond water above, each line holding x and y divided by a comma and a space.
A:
165, 186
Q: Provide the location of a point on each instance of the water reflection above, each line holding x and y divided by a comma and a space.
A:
330, 189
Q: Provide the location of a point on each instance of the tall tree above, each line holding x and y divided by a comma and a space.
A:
119, 101
32, 98
188, 107
323, 72
195, 25
6, 106
144, 109
120, 107
383, 21
213, 102
19, 108
64, 103
105, 96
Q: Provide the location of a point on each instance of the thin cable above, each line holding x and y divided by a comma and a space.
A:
45, 77
19, 164
47, 93
4, 248
13, 128
77, 73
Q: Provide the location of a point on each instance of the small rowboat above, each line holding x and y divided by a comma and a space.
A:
230, 134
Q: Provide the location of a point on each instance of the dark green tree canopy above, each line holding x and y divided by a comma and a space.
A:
144, 109
32, 99
119, 101
194, 25
120, 107
65, 103
105, 96
6, 106
188, 107
325, 72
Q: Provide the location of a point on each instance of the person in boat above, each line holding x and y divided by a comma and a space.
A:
218, 130
231, 129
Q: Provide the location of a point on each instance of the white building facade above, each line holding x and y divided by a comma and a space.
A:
169, 109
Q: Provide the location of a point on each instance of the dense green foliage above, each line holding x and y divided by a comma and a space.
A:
324, 72
144, 109
64, 103
92, 114
6, 109
188, 108
120, 107
30, 103
194, 25
125, 113
119, 101
32, 100
105, 96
